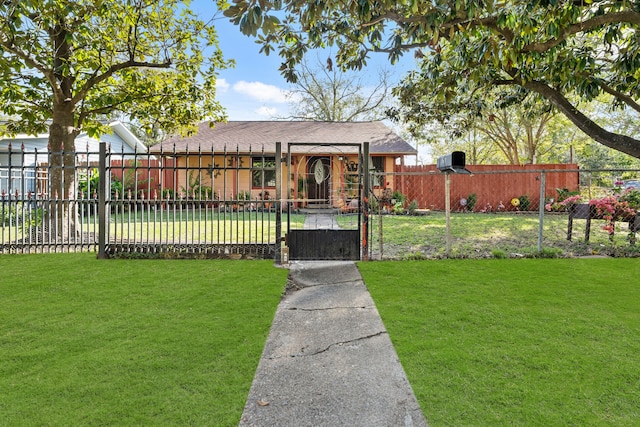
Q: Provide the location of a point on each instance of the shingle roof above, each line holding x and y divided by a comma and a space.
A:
252, 136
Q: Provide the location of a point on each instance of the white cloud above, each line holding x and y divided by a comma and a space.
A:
222, 85
261, 91
268, 112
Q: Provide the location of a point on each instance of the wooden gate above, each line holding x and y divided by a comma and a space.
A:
333, 228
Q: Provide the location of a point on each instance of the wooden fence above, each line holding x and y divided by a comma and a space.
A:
493, 185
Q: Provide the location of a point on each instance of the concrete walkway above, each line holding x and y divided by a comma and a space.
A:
328, 360
317, 221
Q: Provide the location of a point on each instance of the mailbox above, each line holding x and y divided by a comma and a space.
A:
454, 162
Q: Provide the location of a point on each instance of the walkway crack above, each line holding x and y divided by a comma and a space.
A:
363, 307
338, 344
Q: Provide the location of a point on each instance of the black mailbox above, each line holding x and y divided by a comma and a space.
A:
454, 162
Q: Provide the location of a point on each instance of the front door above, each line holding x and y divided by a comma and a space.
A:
318, 180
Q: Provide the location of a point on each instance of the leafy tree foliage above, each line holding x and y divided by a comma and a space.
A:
67, 64
325, 93
558, 49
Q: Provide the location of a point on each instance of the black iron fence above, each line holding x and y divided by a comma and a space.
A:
140, 204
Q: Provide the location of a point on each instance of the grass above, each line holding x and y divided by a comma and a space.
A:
116, 342
505, 342
193, 225
88, 342
477, 235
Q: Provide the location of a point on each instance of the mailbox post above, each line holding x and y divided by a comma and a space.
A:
450, 163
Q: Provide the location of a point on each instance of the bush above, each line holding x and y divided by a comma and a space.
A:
498, 253
412, 207
632, 197
399, 198
472, 199
524, 203
21, 215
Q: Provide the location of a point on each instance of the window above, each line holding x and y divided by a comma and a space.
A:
377, 164
263, 172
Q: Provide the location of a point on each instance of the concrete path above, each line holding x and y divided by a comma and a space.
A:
328, 360
316, 221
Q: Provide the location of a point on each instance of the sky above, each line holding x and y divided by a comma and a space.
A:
254, 89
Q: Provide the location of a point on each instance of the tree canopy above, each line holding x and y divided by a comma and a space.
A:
73, 62
66, 66
565, 51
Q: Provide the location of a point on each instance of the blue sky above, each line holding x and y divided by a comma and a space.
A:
254, 88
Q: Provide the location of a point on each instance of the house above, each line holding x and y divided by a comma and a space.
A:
24, 156
324, 158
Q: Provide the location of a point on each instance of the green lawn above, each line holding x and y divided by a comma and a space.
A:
193, 225
119, 342
176, 342
516, 342
478, 235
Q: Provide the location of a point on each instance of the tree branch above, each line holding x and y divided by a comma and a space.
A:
618, 142
621, 96
629, 16
93, 81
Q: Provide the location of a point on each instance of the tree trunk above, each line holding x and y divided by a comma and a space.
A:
63, 210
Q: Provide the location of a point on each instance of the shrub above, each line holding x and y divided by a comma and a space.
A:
21, 215
412, 207
399, 197
631, 197
524, 202
498, 253
472, 199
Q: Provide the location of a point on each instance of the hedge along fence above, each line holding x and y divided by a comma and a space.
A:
494, 186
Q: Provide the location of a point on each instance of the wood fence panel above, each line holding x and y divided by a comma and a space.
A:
493, 185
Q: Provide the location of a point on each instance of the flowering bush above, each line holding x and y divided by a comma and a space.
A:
563, 205
612, 209
632, 197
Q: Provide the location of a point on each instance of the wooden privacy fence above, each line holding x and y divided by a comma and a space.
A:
493, 185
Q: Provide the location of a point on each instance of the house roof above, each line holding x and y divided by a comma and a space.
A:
41, 141
128, 137
254, 136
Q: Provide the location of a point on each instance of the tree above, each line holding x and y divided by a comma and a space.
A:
67, 64
558, 49
329, 94
518, 136
478, 150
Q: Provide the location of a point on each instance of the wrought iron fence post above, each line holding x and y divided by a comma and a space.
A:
365, 201
278, 156
102, 202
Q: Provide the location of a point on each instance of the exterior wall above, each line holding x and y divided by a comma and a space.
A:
231, 174
27, 152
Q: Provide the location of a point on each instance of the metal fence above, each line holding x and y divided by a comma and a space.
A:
190, 204
491, 217
226, 204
